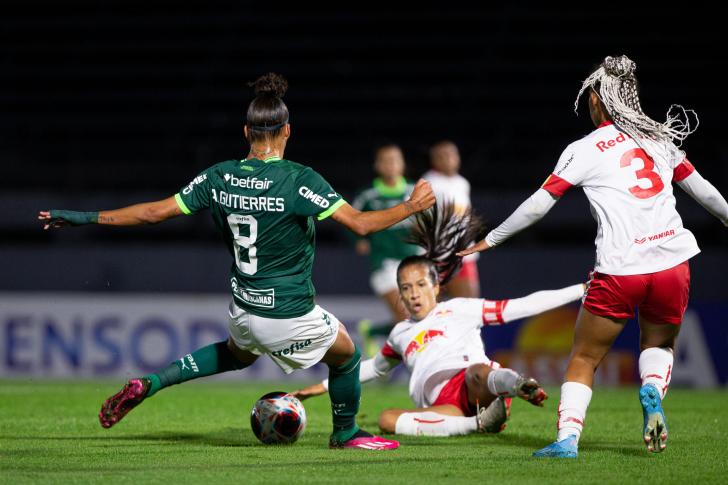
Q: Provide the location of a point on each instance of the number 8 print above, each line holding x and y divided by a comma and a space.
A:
246, 242
646, 172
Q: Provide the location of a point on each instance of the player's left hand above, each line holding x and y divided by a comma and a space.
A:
475, 248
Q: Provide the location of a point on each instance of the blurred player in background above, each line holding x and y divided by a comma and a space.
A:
626, 168
457, 389
388, 247
263, 206
450, 186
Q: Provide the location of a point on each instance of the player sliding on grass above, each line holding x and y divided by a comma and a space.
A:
264, 206
625, 167
457, 389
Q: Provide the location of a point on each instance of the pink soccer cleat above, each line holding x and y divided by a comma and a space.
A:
119, 405
365, 441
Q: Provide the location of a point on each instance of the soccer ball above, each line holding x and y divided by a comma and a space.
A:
278, 418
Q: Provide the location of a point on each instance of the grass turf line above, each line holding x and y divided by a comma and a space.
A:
198, 432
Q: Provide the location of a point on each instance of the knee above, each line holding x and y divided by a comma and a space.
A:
476, 376
388, 420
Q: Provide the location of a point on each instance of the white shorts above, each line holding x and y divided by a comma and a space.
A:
292, 343
384, 279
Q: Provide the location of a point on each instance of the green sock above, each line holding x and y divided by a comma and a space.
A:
207, 361
345, 394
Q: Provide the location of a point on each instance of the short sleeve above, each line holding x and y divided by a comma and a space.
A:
569, 171
315, 196
197, 194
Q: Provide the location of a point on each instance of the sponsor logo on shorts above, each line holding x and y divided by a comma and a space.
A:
295, 347
669, 232
260, 298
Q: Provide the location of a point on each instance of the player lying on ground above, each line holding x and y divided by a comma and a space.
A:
625, 167
264, 206
457, 389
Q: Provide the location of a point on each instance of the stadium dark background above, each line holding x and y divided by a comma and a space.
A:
107, 103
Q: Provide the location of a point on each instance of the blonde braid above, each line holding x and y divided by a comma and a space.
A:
616, 85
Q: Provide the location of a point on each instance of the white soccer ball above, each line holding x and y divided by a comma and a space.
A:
278, 418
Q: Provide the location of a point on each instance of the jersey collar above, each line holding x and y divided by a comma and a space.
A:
385, 190
267, 160
605, 123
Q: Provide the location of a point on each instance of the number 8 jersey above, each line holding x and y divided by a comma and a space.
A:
630, 194
264, 209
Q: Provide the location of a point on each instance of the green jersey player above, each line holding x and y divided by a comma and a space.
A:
385, 248
264, 206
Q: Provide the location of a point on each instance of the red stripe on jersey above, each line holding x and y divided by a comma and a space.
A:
493, 311
556, 186
682, 171
390, 353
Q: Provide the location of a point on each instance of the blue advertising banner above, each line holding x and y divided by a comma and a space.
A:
86, 335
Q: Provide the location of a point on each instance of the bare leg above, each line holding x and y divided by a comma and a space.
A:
342, 351
243, 356
593, 337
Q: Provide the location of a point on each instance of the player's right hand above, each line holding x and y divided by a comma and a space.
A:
422, 197
50, 221
310, 391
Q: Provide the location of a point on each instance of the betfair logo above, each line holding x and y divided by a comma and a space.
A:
248, 182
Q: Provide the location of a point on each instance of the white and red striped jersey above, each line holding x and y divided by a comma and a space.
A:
630, 193
446, 341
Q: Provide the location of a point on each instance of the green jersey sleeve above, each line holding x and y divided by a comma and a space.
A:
315, 196
197, 194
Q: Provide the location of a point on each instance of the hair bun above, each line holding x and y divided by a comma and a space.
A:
621, 66
270, 84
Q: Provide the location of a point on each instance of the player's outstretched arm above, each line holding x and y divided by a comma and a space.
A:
528, 213
367, 222
146, 213
541, 301
706, 195
370, 369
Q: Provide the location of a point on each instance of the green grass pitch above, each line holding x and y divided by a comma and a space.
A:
200, 433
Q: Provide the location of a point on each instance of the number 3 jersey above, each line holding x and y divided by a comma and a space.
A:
630, 194
264, 209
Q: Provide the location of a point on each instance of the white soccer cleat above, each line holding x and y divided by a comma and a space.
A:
492, 419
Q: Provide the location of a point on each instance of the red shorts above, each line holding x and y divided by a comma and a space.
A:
469, 272
662, 297
455, 392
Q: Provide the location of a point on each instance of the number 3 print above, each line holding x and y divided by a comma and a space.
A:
646, 172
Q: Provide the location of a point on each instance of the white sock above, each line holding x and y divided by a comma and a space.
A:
502, 381
575, 399
433, 424
656, 368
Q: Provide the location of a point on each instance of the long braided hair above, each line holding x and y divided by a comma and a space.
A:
616, 85
442, 233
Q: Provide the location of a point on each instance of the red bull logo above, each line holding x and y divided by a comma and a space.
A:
421, 340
